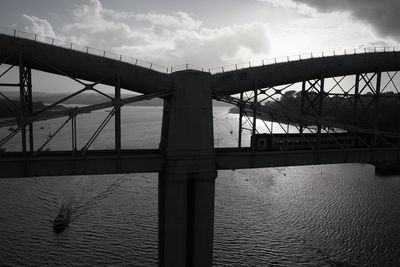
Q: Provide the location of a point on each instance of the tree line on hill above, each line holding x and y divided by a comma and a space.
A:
384, 111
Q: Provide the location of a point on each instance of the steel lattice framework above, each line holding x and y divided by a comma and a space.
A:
330, 109
308, 98
322, 106
24, 117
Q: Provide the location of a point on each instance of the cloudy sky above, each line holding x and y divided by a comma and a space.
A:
209, 33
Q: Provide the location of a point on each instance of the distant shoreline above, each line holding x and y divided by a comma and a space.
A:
89, 99
8, 110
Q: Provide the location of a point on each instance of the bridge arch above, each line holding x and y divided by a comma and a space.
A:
248, 79
186, 161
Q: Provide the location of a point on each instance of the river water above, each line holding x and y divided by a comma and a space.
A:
327, 215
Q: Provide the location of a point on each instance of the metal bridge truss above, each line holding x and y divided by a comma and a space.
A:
24, 116
315, 111
320, 114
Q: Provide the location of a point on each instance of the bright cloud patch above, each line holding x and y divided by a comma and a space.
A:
167, 39
35, 25
383, 15
301, 8
176, 20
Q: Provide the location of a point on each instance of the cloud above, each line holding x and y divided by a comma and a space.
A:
120, 15
220, 46
378, 43
90, 27
300, 8
383, 15
167, 39
176, 20
32, 24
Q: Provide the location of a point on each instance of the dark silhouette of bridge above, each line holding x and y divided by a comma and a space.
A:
187, 160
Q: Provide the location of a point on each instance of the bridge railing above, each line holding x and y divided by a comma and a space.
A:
149, 65
186, 67
84, 49
298, 57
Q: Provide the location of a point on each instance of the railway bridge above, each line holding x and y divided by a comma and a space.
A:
308, 98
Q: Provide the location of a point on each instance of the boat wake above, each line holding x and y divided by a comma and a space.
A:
79, 210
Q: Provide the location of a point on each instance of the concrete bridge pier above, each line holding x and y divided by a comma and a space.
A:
187, 182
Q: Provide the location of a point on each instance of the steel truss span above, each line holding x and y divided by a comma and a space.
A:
309, 93
323, 110
336, 112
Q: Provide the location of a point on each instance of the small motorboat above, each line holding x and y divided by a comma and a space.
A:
62, 219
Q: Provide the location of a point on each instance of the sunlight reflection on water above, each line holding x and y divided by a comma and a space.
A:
311, 216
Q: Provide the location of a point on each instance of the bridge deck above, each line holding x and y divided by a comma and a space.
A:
58, 163
244, 158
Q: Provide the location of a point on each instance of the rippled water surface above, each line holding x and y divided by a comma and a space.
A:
329, 215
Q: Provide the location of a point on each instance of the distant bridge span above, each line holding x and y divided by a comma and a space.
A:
187, 160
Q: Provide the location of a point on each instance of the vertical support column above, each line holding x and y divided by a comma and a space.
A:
320, 110
240, 121
254, 130
187, 182
28, 77
303, 95
73, 128
376, 107
356, 99
22, 104
117, 116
